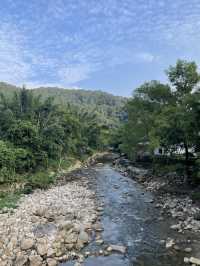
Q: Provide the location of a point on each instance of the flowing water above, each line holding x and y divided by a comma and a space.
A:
129, 219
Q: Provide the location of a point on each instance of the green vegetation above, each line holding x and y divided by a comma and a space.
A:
9, 199
106, 107
40, 135
166, 116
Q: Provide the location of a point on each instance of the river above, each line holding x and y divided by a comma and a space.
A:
130, 219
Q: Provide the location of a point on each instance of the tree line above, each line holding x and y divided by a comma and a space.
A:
165, 116
36, 134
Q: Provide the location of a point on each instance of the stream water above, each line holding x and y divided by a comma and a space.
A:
129, 219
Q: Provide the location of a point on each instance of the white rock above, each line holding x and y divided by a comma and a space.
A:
186, 260
195, 261
169, 243
188, 250
121, 249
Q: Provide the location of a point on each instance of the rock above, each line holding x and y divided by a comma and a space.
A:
71, 238
109, 249
65, 225
81, 259
162, 241
186, 260
52, 262
175, 227
97, 227
188, 250
21, 259
69, 246
99, 241
194, 261
158, 205
117, 248
40, 212
35, 260
100, 252
87, 253
42, 249
149, 201
83, 237
177, 248
169, 243
27, 244
50, 252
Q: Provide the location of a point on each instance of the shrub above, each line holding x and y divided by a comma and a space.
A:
6, 175
40, 180
7, 155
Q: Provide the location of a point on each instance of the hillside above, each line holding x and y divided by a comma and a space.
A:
7, 89
107, 106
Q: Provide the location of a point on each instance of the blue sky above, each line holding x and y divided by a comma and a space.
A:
112, 45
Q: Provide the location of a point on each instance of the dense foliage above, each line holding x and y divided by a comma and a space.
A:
106, 107
165, 116
36, 132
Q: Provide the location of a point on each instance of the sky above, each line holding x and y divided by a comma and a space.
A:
111, 45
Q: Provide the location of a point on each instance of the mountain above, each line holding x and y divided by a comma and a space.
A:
107, 106
7, 89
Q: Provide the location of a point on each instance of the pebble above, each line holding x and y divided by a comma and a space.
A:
188, 250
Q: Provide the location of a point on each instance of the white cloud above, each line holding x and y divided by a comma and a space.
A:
73, 74
13, 66
147, 57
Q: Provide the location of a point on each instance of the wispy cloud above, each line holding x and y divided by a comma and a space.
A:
65, 42
147, 57
13, 65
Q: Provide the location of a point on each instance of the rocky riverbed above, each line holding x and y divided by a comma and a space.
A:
48, 226
184, 212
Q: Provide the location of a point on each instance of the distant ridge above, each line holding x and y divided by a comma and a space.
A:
105, 104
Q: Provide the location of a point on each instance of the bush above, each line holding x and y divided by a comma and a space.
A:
7, 155
7, 175
40, 180
24, 159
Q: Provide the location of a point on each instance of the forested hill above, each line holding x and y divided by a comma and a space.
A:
106, 106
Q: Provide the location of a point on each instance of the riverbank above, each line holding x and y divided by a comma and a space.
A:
49, 226
172, 199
